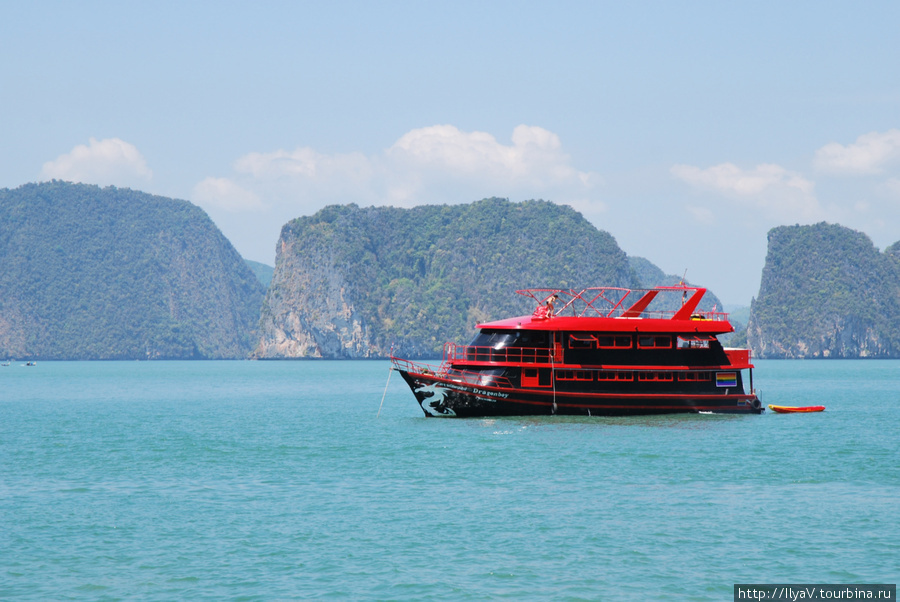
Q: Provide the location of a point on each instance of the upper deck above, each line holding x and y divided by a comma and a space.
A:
663, 309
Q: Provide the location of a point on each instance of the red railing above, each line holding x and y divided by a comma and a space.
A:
460, 376
505, 355
612, 302
717, 316
410, 366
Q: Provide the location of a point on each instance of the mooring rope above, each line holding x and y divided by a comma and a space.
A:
390, 371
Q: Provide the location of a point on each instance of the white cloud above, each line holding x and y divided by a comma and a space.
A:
461, 152
437, 164
108, 161
222, 193
533, 165
303, 163
868, 155
771, 188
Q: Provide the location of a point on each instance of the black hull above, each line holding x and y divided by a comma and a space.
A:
449, 398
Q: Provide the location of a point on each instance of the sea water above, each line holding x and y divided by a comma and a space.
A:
273, 480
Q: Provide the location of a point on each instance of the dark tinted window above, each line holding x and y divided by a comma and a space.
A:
496, 339
499, 339
655, 341
614, 341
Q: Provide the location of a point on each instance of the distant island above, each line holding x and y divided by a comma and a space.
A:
355, 282
110, 273
826, 292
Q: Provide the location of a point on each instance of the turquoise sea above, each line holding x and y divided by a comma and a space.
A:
277, 480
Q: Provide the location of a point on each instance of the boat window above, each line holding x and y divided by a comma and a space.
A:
489, 377
499, 339
655, 376
694, 376
536, 377
531, 338
619, 341
614, 375
694, 341
496, 339
582, 341
650, 341
582, 375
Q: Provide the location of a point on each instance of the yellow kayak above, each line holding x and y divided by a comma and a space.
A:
793, 410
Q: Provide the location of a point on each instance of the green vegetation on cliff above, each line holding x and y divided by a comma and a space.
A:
826, 291
108, 273
352, 282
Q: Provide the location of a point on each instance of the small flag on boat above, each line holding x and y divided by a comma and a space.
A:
726, 379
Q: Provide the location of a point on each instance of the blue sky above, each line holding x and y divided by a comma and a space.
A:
686, 130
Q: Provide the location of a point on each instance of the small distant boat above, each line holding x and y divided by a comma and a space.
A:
31, 364
796, 410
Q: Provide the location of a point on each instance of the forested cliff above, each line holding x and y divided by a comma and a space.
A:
352, 282
107, 273
826, 291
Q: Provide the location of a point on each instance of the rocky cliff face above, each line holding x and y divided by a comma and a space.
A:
307, 312
826, 292
91, 273
354, 282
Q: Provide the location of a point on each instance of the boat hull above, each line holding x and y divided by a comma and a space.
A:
445, 397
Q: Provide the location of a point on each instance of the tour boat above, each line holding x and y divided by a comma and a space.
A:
796, 410
598, 351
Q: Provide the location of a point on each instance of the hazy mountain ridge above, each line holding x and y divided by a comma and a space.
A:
649, 275
826, 291
262, 271
91, 273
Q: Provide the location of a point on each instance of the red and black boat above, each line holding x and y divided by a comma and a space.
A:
598, 351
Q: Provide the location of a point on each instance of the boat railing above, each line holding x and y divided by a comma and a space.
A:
590, 301
716, 316
614, 302
503, 355
456, 375
410, 366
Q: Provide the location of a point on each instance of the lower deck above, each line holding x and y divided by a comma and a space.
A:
607, 380
461, 393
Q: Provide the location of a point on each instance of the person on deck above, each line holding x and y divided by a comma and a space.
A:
550, 303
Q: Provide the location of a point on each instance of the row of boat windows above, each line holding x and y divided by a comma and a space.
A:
588, 340
624, 375
649, 341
